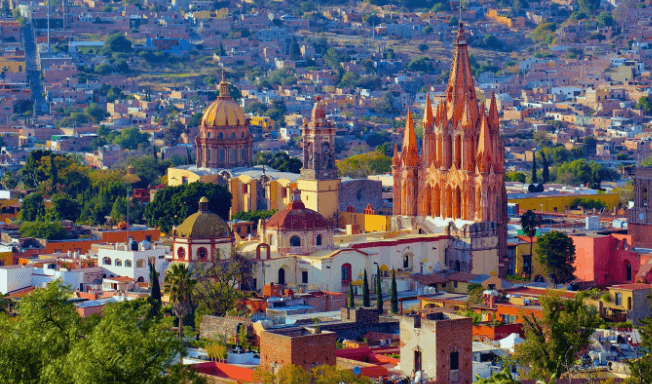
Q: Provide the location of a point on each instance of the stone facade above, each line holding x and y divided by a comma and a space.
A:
439, 345
640, 216
459, 175
215, 327
356, 194
304, 347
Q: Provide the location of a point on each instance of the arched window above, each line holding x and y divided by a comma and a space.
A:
141, 263
242, 135
272, 240
457, 265
454, 361
220, 135
127, 263
210, 135
318, 240
295, 241
346, 273
281, 276
221, 154
181, 253
645, 196
628, 270
243, 157
233, 135
106, 261
118, 263
202, 253
233, 155
141, 279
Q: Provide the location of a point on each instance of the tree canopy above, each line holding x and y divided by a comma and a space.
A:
116, 43
363, 165
43, 230
52, 344
556, 251
279, 161
172, 205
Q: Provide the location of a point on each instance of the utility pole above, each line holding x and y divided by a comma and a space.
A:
49, 45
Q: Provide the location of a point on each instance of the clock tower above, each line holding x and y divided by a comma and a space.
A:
318, 182
639, 223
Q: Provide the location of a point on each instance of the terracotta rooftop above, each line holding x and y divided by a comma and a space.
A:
296, 217
632, 286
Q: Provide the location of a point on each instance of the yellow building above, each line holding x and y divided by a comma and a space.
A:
558, 203
529, 266
6, 256
220, 14
245, 185
12, 64
361, 222
265, 123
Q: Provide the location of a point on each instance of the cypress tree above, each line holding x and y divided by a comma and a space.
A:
365, 290
54, 177
155, 291
534, 168
545, 172
379, 291
394, 294
351, 298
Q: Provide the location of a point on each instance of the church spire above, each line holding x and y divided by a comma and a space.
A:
427, 114
484, 144
396, 160
460, 89
409, 152
494, 120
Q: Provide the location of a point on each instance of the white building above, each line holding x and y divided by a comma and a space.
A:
122, 261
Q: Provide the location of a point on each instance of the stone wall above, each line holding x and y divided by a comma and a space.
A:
359, 193
215, 327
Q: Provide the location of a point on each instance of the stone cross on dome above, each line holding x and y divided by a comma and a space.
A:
224, 85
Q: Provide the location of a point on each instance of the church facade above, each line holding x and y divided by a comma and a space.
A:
456, 184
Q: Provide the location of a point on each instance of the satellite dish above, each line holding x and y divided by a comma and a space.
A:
357, 370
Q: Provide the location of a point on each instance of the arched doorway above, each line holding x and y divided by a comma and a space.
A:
457, 265
628, 270
281, 276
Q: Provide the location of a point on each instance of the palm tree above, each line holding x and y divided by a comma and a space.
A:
179, 284
530, 222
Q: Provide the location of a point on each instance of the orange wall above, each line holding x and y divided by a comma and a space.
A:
83, 245
138, 235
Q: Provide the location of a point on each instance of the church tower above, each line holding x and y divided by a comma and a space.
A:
318, 182
457, 184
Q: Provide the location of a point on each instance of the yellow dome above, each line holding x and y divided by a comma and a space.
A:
203, 225
223, 112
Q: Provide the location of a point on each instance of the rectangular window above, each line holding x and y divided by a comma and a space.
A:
455, 361
629, 303
619, 299
221, 155
304, 277
233, 156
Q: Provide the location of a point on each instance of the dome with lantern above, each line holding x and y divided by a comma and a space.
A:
224, 140
198, 237
297, 229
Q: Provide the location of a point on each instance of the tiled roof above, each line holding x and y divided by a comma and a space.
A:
632, 286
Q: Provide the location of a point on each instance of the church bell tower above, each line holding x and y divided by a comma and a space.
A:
318, 182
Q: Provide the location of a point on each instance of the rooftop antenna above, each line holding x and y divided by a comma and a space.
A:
49, 45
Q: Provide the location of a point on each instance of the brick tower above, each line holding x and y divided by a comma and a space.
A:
457, 183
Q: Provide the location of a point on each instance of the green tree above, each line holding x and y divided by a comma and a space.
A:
422, 64
63, 208
179, 284
95, 112
351, 298
54, 177
154, 290
379, 291
365, 291
423, 47
515, 176
534, 168
542, 139
195, 119
279, 161
172, 205
32, 172
589, 7
8, 180
116, 43
363, 165
453, 22
172, 133
529, 223
556, 251
394, 293
41, 230
32, 208
131, 138
119, 210
295, 49
605, 19
645, 104
554, 341
545, 175
544, 32
502, 377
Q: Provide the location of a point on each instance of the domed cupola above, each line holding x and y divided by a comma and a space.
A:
297, 229
224, 140
203, 236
